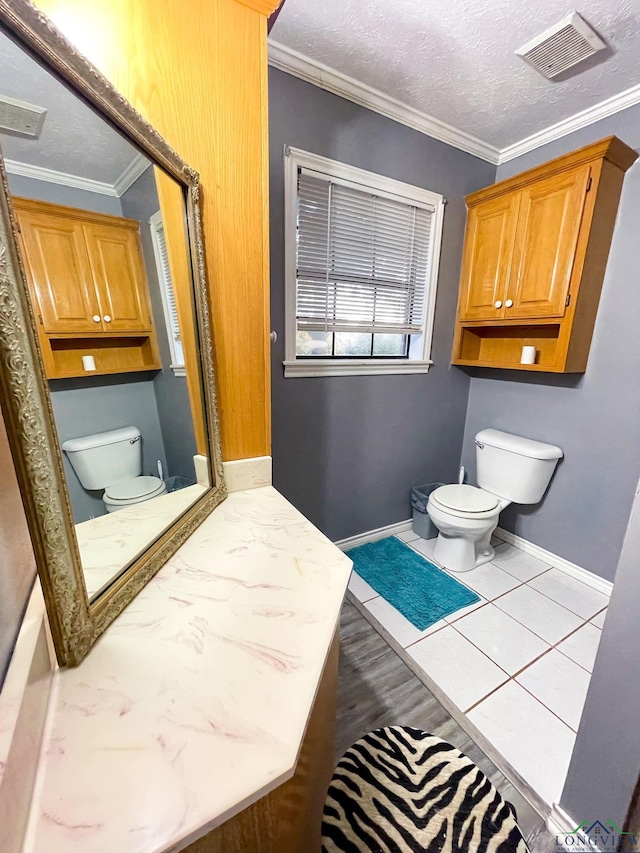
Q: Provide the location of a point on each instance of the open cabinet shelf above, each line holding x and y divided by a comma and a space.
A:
63, 356
501, 346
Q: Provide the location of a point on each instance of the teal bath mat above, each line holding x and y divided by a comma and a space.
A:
422, 592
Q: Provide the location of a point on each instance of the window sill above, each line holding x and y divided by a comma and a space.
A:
353, 367
179, 369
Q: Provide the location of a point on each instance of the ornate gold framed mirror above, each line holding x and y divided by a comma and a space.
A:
106, 351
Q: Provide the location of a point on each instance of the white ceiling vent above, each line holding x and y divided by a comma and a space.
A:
20, 118
562, 46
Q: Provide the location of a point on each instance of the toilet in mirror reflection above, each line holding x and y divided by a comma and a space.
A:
106, 256
112, 461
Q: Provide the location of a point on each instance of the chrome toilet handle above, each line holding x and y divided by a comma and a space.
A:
479, 444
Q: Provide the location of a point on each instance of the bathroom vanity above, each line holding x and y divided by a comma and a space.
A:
203, 719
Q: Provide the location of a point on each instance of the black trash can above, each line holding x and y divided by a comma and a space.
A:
174, 484
422, 524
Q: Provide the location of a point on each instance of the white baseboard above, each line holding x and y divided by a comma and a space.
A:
562, 825
372, 535
559, 822
524, 545
560, 563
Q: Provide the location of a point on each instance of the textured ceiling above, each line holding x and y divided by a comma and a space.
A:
73, 139
455, 60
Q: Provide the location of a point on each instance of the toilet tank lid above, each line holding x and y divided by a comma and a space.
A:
100, 439
518, 444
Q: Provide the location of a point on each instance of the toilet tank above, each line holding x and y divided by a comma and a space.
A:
104, 458
512, 467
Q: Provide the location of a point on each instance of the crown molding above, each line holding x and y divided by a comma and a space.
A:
39, 173
605, 108
292, 62
130, 175
51, 176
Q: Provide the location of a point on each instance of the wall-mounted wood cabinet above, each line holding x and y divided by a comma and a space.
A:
535, 253
88, 289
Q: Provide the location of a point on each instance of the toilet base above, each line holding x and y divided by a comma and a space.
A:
459, 554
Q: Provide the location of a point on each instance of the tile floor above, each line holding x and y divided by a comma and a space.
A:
517, 663
376, 688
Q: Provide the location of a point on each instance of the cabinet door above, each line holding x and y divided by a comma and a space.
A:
488, 250
116, 263
548, 229
59, 274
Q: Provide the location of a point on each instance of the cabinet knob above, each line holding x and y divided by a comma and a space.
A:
497, 304
508, 303
96, 318
107, 318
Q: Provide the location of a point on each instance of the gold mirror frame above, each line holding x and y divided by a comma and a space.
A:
75, 622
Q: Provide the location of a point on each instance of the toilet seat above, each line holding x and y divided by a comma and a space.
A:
133, 490
465, 501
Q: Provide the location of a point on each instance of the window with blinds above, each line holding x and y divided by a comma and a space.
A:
362, 260
166, 290
361, 269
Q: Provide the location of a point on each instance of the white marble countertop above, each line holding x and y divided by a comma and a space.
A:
108, 543
194, 703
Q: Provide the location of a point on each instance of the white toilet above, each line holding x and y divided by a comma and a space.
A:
510, 469
113, 461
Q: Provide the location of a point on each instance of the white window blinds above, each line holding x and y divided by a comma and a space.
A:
362, 259
166, 287
172, 310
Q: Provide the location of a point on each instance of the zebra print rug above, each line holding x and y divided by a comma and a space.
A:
398, 789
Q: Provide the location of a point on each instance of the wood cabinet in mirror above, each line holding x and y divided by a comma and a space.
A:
103, 298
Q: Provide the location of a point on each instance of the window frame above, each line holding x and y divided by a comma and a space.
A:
419, 359
177, 364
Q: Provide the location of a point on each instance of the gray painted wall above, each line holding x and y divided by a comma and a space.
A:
346, 450
593, 417
604, 768
85, 406
141, 202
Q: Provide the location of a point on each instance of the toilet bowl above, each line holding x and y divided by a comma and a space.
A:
112, 461
465, 517
510, 469
133, 490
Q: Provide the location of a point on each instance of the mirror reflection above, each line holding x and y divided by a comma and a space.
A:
103, 243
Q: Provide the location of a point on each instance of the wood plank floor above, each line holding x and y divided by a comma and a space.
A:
377, 689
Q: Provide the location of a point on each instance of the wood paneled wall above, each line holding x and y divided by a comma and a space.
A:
197, 71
